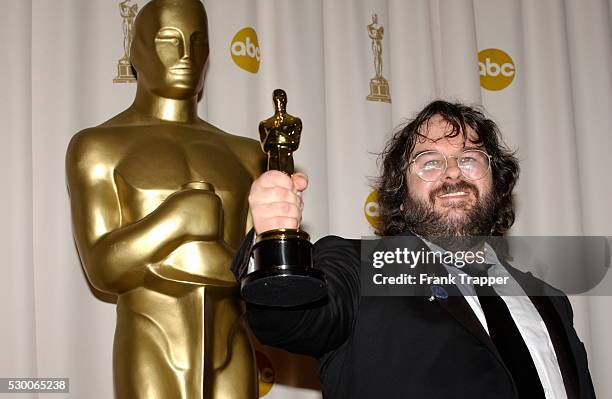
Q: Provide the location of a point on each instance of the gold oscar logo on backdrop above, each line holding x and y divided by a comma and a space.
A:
496, 69
245, 50
379, 86
128, 12
266, 373
371, 209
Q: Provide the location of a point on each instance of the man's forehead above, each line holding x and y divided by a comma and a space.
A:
437, 130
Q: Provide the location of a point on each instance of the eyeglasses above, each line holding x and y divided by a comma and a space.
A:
430, 166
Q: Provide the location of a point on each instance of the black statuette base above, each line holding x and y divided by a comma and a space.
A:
283, 275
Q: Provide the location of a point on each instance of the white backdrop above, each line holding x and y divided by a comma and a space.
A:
56, 77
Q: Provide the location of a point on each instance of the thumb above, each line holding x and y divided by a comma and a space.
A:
300, 181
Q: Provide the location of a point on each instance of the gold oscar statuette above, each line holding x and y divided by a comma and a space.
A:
128, 12
159, 205
282, 273
379, 86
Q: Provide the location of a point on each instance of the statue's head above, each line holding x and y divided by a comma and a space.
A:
375, 18
170, 47
280, 99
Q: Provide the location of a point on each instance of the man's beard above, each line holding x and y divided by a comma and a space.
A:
451, 232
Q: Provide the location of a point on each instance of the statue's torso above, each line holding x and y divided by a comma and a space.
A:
186, 316
152, 162
285, 133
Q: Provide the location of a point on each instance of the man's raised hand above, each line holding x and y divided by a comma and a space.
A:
276, 202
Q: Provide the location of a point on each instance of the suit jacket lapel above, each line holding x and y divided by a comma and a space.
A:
458, 307
456, 304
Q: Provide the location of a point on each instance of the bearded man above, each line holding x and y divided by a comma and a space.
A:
446, 180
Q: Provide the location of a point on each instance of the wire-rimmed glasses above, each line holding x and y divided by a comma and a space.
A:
431, 165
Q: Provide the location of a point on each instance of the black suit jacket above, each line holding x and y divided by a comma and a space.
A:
405, 347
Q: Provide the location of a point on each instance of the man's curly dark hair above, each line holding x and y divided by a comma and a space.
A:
392, 187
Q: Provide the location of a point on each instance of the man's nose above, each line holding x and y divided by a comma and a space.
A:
452, 171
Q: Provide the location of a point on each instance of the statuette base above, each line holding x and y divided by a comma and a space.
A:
124, 72
283, 275
379, 90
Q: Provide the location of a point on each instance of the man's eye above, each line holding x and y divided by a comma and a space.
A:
431, 164
469, 161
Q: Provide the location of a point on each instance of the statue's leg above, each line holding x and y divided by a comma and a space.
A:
234, 369
380, 63
273, 160
286, 159
141, 363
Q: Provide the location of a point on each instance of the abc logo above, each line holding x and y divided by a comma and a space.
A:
245, 50
372, 209
266, 373
496, 69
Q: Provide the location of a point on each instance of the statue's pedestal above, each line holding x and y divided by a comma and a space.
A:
124, 72
379, 90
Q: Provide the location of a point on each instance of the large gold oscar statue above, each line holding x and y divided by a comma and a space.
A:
159, 203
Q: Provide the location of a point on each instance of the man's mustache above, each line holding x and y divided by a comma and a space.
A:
447, 188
